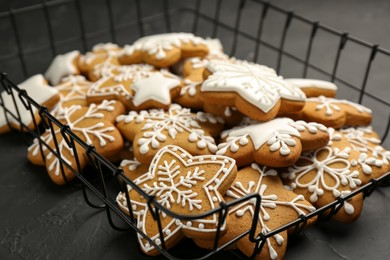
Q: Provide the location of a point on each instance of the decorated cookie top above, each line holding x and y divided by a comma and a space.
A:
278, 207
155, 128
278, 137
158, 44
182, 183
92, 124
257, 84
330, 105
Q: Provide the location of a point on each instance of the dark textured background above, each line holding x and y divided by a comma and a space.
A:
39, 220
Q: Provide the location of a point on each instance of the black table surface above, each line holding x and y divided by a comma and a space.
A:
39, 220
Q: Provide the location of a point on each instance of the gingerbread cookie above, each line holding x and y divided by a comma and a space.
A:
138, 86
149, 130
100, 62
255, 90
366, 142
38, 89
335, 113
163, 50
315, 87
93, 125
185, 184
276, 143
278, 207
72, 91
333, 171
63, 65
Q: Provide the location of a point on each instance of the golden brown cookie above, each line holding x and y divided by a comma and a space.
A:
315, 87
100, 62
138, 86
335, 113
278, 207
38, 89
149, 130
333, 171
91, 124
184, 184
255, 90
276, 143
164, 50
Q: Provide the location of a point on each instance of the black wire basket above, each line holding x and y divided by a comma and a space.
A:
244, 35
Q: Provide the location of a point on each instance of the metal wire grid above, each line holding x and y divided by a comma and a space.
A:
102, 167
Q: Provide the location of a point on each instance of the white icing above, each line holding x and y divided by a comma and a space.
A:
158, 44
175, 121
331, 105
62, 65
278, 133
189, 87
312, 83
132, 165
166, 179
37, 89
257, 84
268, 203
156, 87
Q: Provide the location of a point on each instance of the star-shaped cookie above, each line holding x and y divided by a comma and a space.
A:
255, 90
149, 130
278, 207
185, 184
276, 143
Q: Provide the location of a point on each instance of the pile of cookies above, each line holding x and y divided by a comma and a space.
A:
194, 128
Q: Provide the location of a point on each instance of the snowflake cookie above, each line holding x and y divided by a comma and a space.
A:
93, 125
335, 113
63, 65
276, 143
315, 87
278, 207
72, 91
255, 90
185, 184
149, 130
38, 89
99, 62
333, 171
163, 50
